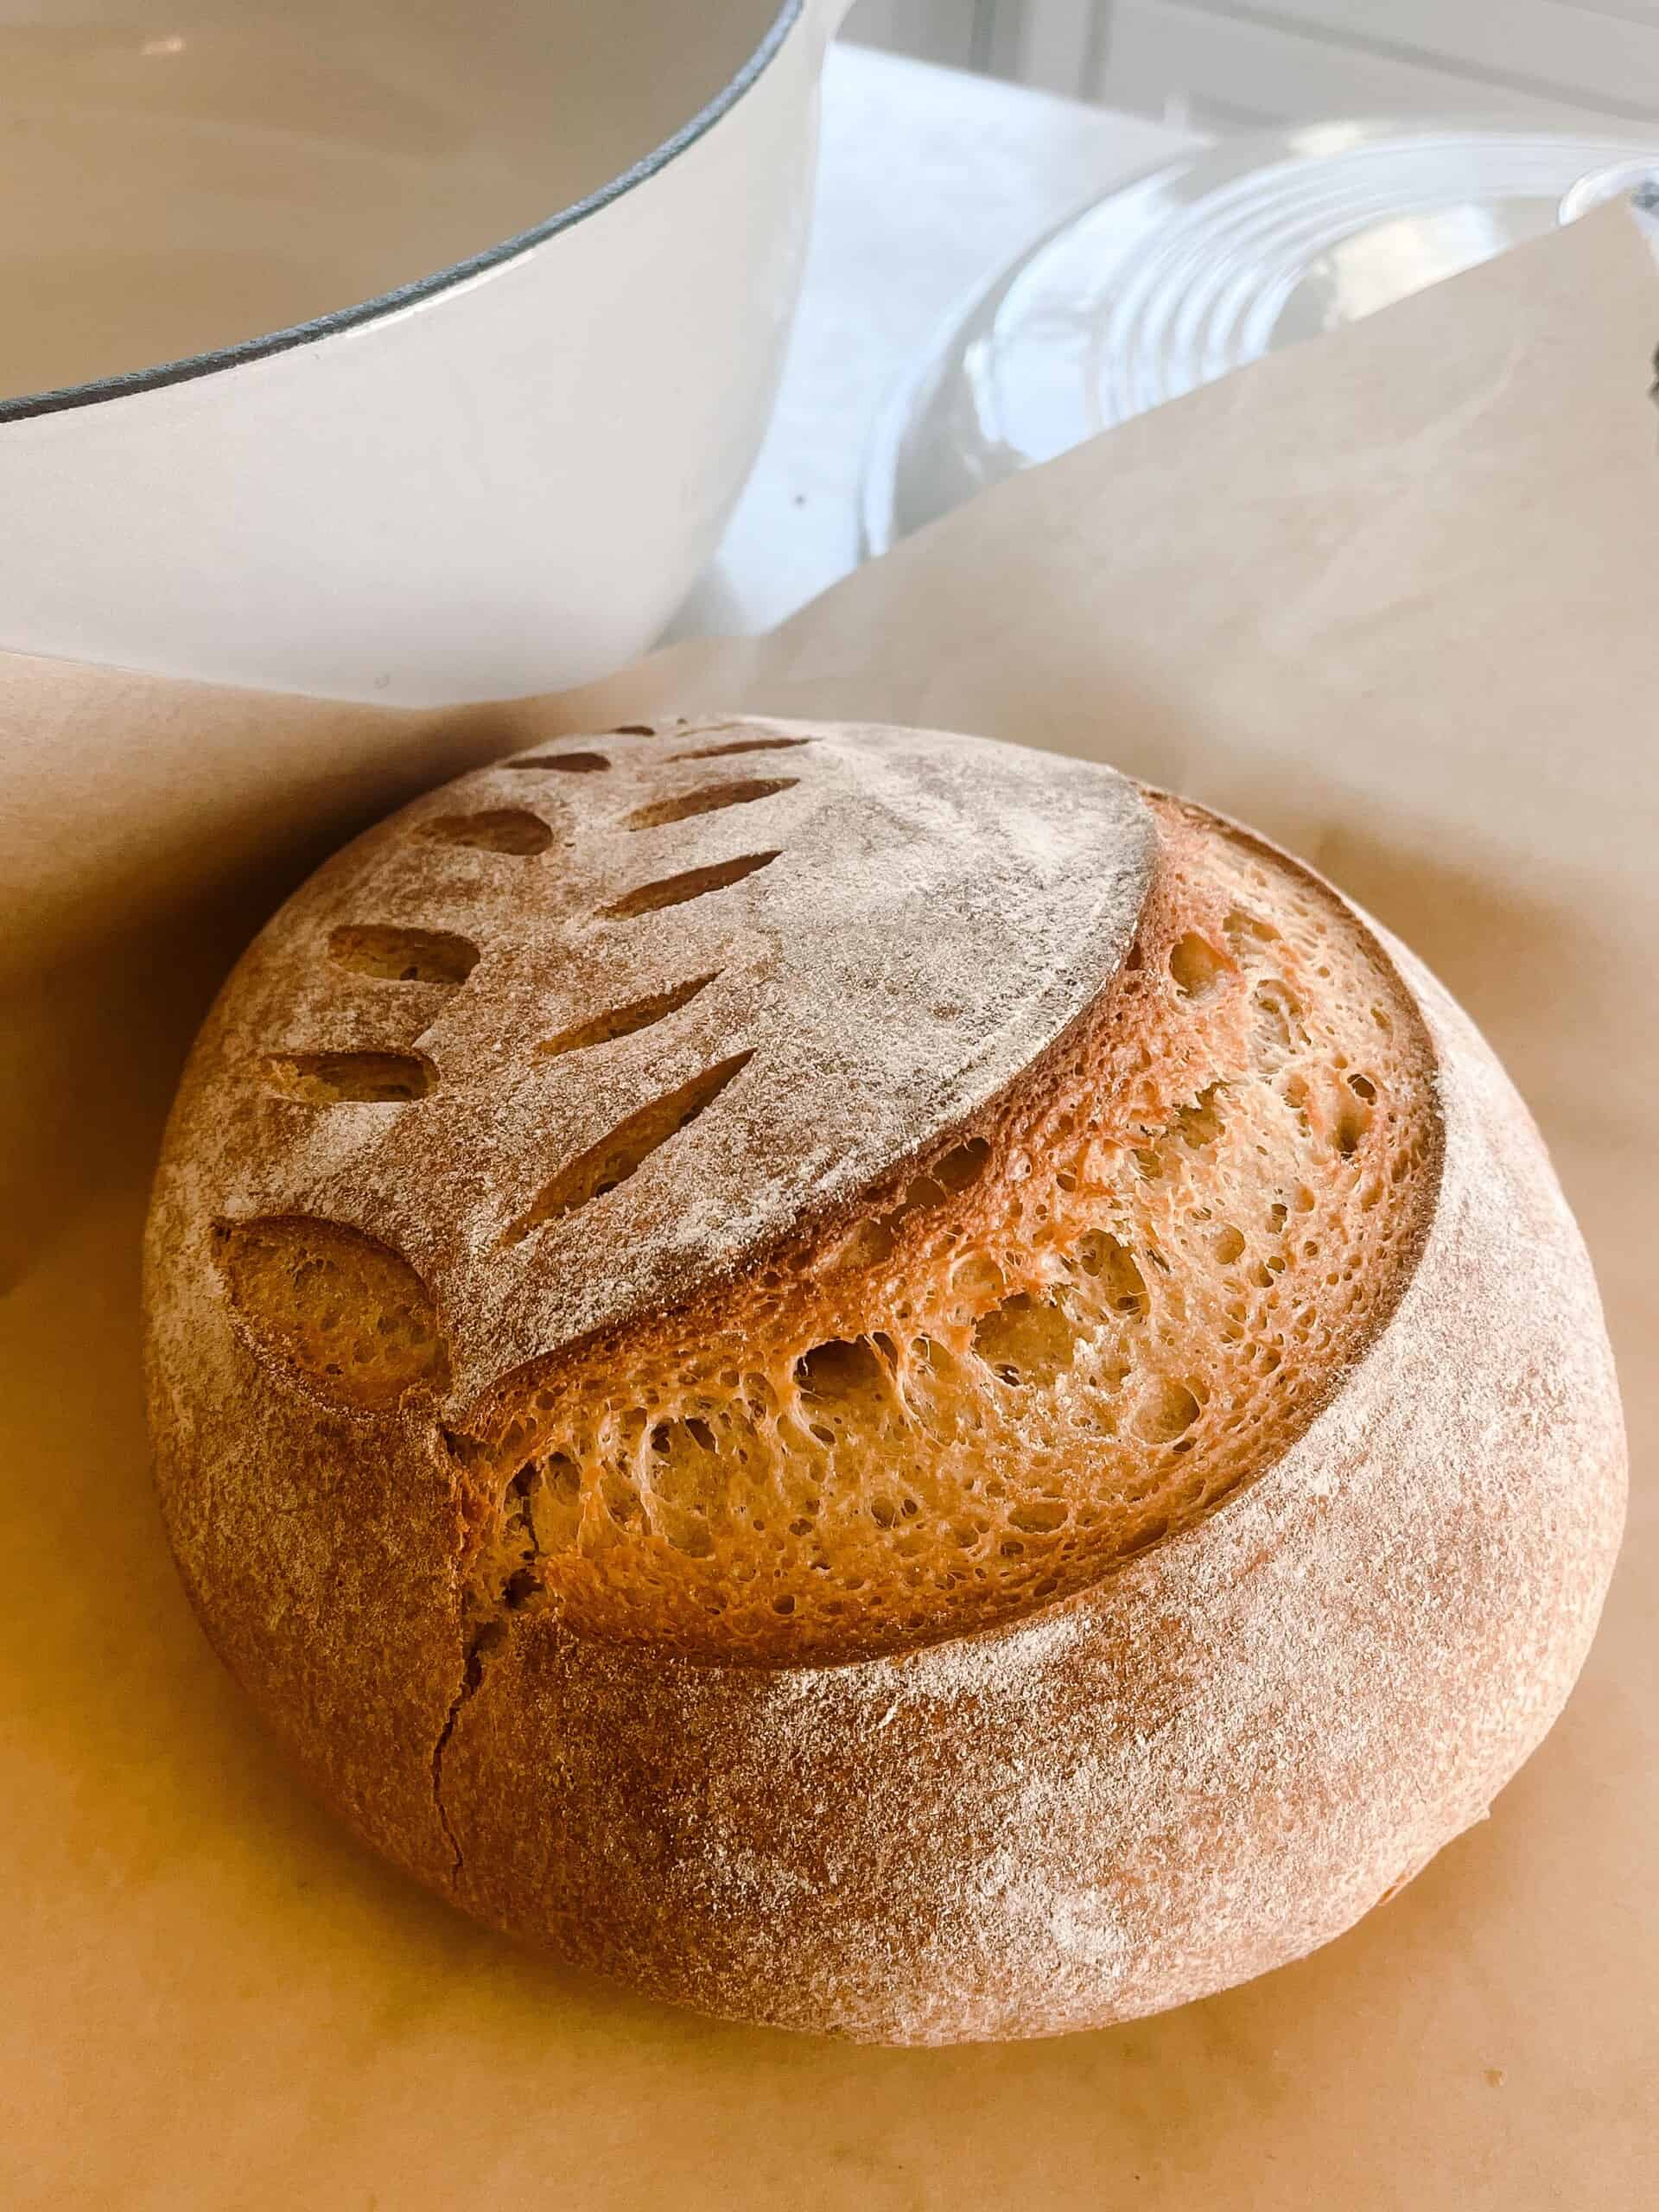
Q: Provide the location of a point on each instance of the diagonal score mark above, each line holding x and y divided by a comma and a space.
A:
394, 954
742, 744
609, 1163
568, 763
623, 1021
498, 829
675, 890
345, 1078
713, 798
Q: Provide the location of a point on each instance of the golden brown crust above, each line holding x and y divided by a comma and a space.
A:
1066, 1329
1214, 1758
927, 918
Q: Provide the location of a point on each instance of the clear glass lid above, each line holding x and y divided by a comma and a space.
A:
1224, 255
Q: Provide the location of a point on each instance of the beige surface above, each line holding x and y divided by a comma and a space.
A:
1393, 598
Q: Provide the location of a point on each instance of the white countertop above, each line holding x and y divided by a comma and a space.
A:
931, 180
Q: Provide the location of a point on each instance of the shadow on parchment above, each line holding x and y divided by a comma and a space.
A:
99, 1003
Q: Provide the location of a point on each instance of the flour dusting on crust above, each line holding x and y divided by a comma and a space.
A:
914, 919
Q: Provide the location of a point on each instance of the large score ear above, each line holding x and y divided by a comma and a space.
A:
341, 1312
594, 1024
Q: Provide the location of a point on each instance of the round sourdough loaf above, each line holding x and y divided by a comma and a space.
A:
878, 1380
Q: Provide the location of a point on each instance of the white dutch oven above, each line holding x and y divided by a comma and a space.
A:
399, 349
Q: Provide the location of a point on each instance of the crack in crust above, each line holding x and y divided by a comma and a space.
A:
503, 1558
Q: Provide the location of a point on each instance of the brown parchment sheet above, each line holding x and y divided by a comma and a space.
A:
1393, 597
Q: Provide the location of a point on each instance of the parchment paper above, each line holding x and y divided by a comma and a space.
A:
1395, 598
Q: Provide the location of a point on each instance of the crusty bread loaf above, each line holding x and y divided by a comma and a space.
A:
877, 1381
